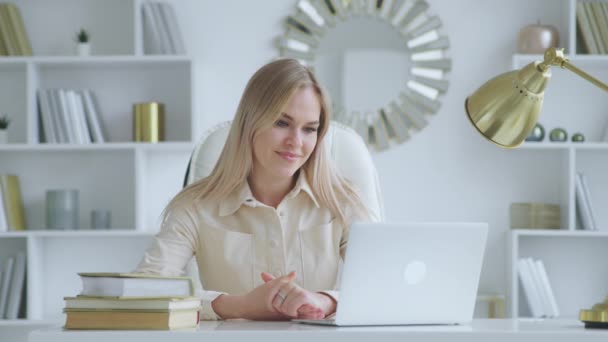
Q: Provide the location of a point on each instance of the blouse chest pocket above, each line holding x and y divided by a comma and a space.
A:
320, 248
226, 260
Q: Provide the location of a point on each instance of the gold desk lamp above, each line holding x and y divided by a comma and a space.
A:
505, 109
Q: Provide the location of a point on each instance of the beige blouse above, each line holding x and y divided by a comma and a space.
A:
237, 239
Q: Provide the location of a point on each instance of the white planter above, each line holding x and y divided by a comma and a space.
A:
3, 136
84, 49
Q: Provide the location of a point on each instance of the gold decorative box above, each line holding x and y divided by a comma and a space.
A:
535, 216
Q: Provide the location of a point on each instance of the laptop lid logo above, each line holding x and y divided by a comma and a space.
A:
414, 272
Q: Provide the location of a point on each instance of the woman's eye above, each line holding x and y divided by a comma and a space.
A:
282, 123
310, 129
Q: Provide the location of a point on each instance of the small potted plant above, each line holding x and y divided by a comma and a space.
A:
4, 122
83, 42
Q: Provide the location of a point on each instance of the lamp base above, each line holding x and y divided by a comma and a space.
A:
596, 317
596, 325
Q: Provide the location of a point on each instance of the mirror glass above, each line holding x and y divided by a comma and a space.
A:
363, 63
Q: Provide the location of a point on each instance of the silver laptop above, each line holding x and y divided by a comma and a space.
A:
410, 273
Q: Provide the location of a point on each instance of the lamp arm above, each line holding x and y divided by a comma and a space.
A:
556, 57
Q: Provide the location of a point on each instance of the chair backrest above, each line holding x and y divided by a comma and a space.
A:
344, 146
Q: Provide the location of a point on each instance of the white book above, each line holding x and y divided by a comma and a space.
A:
175, 34
129, 285
540, 287
529, 290
58, 123
150, 31
588, 200
82, 117
547, 285
581, 204
77, 117
4, 287
165, 44
93, 117
3, 217
44, 112
66, 116
16, 290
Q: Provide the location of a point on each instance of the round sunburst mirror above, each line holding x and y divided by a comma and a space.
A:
385, 63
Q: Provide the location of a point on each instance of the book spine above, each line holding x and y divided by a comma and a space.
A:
581, 205
528, 286
5, 31
6, 282
588, 201
543, 274
16, 289
17, 20
3, 218
12, 196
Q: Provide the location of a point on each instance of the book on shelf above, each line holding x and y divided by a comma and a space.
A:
537, 288
553, 307
602, 24
584, 26
69, 116
7, 272
135, 285
161, 30
584, 203
16, 289
13, 204
13, 36
131, 320
3, 217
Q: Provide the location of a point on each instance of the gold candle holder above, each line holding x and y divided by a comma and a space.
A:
148, 122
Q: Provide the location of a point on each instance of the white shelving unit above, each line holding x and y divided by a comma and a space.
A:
576, 260
133, 180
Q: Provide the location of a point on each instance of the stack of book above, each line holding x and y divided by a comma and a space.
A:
12, 281
592, 19
161, 30
584, 204
537, 288
128, 301
12, 213
13, 37
69, 116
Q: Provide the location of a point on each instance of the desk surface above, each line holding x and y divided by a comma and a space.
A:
495, 330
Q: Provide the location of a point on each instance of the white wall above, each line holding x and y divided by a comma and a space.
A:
446, 172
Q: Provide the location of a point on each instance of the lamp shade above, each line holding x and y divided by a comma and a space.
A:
505, 109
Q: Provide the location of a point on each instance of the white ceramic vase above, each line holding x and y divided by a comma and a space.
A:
3, 136
84, 49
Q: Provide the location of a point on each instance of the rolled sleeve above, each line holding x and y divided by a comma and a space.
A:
207, 312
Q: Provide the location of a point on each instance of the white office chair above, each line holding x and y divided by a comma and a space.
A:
344, 146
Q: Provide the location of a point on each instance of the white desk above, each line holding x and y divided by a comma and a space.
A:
495, 330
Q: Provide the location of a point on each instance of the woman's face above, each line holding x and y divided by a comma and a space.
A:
279, 151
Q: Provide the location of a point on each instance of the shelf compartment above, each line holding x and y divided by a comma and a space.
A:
593, 163
577, 269
113, 186
13, 92
572, 102
118, 86
92, 15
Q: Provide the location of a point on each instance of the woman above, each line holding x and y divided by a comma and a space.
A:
269, 225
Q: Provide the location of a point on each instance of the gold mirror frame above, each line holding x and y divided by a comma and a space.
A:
396, 121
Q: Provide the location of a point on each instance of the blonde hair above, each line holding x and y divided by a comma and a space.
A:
266, 95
